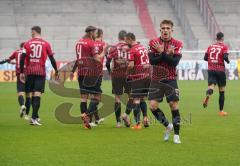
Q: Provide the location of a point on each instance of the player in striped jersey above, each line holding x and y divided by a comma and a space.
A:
34, 56
24, 108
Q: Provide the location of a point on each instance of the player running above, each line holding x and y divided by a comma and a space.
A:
24, 108
34, 54
89, 64
138, 74
216, 54
165, 54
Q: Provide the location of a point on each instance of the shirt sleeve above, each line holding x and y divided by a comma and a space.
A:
178, 49
49, 50
225, 50
12, 56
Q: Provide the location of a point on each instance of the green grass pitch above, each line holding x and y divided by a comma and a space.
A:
207, 140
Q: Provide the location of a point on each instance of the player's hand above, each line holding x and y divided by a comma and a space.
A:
71, 76
157, 46
171, 50
22, 77
57, 76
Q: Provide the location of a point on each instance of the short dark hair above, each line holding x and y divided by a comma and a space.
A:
219, 36
37, 29
90, 29
122, 34
167, 22
99, 32
21, 45
131, 35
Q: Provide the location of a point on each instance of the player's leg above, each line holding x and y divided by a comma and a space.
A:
36, 103
176, 119
117, 110
97, 97
212, 80
129, 107
83, 102
137, 113
117, 90
21, 104
158, 113
92, 110
222, 84
172, 100
21, 93
37, 89
143, 106
27, 104
127, 89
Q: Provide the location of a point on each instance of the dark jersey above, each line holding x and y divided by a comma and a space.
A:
37, 50
169, 70
215, 55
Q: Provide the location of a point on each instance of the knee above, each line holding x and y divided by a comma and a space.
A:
173, 105
209, 92
153, 105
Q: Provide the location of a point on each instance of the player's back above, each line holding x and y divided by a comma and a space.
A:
84, 48
215, 56
139, 54
37, 50
17, 56
119, 54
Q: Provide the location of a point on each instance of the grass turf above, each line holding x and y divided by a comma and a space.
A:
207, 140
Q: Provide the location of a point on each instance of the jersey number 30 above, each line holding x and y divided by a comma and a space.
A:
36, 50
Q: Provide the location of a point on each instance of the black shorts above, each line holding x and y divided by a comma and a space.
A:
120, 85
20, 85
217, 77
166, 88
35, 83
90, 84
139, 88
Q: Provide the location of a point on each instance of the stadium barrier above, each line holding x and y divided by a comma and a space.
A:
186, 70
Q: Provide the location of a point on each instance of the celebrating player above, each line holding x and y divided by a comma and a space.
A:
89, 64
165, 54
92, 108
216, 54
24, 108
119, 54
36, 51
139, 75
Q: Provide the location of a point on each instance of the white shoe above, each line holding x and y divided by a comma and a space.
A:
168, 132
22, 111
118, 125
176, 139
26, 117
38, 119
34, 122
101, 120
92, 124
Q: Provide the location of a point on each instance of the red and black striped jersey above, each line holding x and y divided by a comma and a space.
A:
170, 72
